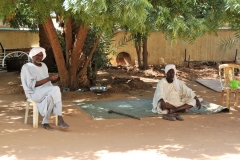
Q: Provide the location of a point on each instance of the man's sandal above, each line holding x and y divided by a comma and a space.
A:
47, 127
178, 117
169, 117
63, 125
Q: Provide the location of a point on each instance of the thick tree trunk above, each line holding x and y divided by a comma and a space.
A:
77, 49
58, 54
145, 55
68, 39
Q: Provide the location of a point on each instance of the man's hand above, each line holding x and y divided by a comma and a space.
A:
198, 103
165, 105
43, 81
53, 77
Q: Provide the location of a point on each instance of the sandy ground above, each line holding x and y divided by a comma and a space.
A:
198, 137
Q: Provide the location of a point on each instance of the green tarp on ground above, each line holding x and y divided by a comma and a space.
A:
136, 107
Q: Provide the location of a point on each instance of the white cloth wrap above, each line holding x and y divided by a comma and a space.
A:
175, 80
34, 51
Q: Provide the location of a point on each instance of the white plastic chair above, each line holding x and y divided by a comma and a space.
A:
35, 113
226, 74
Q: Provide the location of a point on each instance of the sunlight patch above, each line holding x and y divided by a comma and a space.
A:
223, 157
135, 154
7, 157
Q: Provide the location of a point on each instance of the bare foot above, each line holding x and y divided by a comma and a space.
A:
171, 111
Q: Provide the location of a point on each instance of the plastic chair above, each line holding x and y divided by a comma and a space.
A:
227, 73
35, 113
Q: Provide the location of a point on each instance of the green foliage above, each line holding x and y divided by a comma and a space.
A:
189, 19
104, 14
23, 17
231, 18
186, 19
232, 13
7, 8
28, 13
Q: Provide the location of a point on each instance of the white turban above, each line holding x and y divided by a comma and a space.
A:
175, 80
34, 51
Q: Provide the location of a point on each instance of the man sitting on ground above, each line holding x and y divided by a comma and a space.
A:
172, 96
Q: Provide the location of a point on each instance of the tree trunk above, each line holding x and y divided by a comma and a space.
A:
77, 49
138, 50
145, 55
68, 39
58, 54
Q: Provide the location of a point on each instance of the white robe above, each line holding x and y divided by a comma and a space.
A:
167, 92
47, 96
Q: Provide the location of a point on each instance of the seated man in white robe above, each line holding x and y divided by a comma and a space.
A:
37, 86
172, 96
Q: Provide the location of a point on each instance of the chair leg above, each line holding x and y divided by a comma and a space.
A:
26, 112
222, 97
236, 99
228, 100
35, 116
56, 120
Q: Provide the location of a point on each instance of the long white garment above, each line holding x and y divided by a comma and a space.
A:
167, 92
30, 74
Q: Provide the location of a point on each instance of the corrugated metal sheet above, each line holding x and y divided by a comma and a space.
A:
161, 51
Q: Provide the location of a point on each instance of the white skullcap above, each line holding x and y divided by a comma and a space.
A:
175, 80
34, 51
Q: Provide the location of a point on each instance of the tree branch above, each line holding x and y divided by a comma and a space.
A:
84, 69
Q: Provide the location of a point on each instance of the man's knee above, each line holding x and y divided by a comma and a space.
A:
188, 106
56, 89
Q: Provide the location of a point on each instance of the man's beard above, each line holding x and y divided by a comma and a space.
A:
38, 62
170, 80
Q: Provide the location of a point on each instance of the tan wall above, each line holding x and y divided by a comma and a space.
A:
11, 39
3, 25
162, 51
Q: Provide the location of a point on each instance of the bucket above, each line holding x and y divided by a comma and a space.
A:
234, 83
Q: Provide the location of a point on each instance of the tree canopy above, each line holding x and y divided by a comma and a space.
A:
186, 20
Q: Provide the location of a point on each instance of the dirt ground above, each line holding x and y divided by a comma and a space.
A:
198, 137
